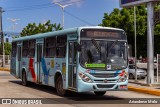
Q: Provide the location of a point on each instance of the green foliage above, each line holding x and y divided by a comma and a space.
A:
7, 47
124, 19
32, 28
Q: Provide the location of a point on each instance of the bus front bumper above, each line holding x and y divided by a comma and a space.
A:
86, 87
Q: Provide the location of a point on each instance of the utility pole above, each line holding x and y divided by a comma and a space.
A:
62, 6
135, 35
2, 38
150, 42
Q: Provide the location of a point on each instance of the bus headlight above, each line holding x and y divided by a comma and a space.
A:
84, 77
123, 76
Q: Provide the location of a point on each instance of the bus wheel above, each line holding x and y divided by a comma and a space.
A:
24, 79
101, 93
59, 86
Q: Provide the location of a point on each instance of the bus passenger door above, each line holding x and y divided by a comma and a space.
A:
39, 53
72, 68
19, 57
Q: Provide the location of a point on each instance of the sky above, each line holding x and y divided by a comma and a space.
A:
79, 13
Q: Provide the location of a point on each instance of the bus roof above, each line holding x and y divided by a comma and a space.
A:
61, 32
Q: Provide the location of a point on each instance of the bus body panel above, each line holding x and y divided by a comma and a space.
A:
52, 66
111, 83
29, 67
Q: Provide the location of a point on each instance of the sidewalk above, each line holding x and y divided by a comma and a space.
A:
6, 68
142, 87
139, 86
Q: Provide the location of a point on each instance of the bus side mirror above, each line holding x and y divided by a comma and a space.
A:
79, 47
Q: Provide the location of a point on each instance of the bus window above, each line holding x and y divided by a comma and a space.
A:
32, 48
61, 46
50, 47
14, 49
25, 49
72, 53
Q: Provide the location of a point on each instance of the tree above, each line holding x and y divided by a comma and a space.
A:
32, 28
7, 47
124, 19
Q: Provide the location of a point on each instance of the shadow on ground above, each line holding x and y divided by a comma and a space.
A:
73, 97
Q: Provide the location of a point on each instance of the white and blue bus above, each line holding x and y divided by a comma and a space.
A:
79, 59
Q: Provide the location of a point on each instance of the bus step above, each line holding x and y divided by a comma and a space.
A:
72, 89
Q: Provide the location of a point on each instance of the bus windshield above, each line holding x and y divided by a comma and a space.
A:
103, 54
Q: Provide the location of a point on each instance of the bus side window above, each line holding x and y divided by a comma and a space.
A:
50, 47
72, 52
14, 49
25, 49
61, 46
32, 48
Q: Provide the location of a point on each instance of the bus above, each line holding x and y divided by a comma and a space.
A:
81, 59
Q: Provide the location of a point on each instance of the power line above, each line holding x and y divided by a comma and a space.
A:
28, 6
77, 18
41, 6
47, 5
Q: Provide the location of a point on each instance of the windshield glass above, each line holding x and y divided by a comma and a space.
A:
104, 55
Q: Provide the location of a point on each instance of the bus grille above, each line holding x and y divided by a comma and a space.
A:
104, 75
105, 86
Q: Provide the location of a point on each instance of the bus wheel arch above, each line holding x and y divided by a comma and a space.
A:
59, 84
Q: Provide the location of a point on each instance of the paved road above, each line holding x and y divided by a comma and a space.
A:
12, 88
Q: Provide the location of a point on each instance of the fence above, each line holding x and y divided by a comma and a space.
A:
7, 59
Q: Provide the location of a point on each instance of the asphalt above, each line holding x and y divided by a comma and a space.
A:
137, 86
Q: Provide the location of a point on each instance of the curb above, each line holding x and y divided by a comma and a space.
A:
4, 69
144, 90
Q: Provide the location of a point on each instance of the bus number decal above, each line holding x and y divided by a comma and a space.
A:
63, 68
52, 64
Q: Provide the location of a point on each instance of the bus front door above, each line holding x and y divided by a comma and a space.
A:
39, 53
72, 68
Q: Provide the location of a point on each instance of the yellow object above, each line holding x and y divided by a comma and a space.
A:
63, 68
52, 64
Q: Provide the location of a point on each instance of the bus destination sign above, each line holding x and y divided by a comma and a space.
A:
130, 3
103, 34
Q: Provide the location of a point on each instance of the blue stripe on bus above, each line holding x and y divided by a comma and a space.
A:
117, 72
44, 67
45, 71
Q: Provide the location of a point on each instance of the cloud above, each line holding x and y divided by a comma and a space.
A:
78, 3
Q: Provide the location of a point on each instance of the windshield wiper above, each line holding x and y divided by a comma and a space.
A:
113, 44
96, 45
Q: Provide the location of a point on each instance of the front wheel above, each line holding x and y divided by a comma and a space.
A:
101, 93
59, 86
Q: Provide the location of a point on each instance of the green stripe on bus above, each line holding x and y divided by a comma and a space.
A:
95, 65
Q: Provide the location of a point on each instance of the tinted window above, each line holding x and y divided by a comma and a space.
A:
14, 49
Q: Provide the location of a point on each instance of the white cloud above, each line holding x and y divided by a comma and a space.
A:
78, 3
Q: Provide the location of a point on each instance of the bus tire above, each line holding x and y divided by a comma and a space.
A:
59, 86
101, 93
24, 79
